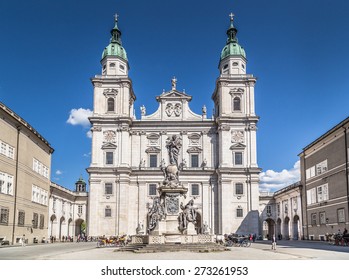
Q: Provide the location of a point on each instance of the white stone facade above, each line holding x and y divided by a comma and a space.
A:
217, 159
67, 212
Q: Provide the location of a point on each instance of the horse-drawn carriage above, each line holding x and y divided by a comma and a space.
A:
237, 240
119, 241
338, 239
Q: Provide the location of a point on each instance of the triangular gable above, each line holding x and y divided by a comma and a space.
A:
174, 94
237, 146
109, 146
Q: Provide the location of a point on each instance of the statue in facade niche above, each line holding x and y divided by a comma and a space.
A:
143, 110
173, 146
155, 213
187, 216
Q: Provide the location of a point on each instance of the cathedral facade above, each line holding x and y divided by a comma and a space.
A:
215, 159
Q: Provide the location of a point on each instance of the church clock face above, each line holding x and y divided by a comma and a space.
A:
237, 136
109, 136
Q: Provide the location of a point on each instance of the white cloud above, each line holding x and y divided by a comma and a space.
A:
89, 134
87, 155
79, 117
59, 172
271, 180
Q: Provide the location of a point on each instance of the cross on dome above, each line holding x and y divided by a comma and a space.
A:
231, 17
116, 17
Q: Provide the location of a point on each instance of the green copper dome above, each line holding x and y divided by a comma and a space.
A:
115, 47
232, 47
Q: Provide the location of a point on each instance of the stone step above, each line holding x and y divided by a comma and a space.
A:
194, 247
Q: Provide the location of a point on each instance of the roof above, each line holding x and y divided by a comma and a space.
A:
25, 124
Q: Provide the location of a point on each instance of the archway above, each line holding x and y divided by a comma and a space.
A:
268, 228
79, 229
286, 231
296, 227
61, 222
278, 229
70, 225
53, 222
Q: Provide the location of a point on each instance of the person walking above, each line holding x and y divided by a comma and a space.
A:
273, 242
23, 240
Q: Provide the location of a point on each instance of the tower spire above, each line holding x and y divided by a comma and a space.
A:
115, 32
232, 31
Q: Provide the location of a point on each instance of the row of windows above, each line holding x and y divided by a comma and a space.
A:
316, 169
194, 159
38, 221
40, 168
6, 183
108, 212
194, 189
317, 194
39, 195
7, 150
320, 218
63, 206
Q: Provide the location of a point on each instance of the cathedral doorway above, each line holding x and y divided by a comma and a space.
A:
296, 227
287, 228
61, 223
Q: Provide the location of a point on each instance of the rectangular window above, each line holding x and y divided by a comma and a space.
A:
313, 219
341, 215
108, 188
42, 221
9, 189
194, 160
3, 148
107, 212
35, 220
311, 196
239, 213
238, 158
322, 218
11, 152
109, 157
278, 209
195, 189
2, 182
21, 218
269, 210
80, 209
321, 167
153, 161
4, 212
152, 189
239, 189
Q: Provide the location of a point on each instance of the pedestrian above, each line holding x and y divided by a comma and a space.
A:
273, 242
23, 240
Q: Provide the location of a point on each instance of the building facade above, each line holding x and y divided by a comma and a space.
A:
281, 213
67, 211
25, 166
324, 176
217, 159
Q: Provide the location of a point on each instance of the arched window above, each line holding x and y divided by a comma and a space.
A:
237, 104
111, 104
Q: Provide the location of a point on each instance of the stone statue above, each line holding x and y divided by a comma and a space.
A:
205, 229
187, 216
143, 110
163, 167
204, 110
140, 228
155, 213
142, 163
173, 145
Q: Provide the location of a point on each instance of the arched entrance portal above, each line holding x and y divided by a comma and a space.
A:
61, 223
79, 227
53, 221
268, 228
278, 229
286, 228
296, 227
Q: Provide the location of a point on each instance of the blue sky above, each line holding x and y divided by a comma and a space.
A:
298, 50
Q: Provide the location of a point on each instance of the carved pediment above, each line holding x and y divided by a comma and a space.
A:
153, 150
237, 90
174, 94
108, 92
237, 146
194, 136
153, 136
194, 150
109, 146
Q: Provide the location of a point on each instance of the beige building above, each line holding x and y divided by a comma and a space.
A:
25, 166
67, 211
325, 180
